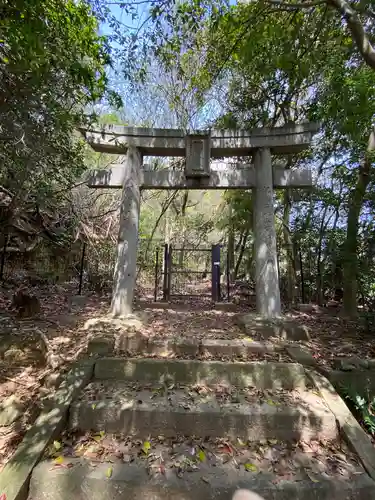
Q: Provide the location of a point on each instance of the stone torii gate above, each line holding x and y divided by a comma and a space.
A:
198, 148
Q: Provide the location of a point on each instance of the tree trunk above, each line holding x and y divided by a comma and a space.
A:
291, 270
319, 263
242, 250
350, 264
231, 246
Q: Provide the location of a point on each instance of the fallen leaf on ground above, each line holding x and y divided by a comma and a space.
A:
226, 448
57, 445
146, 447
59, 460
201, 456
272, 403
99, 437
311, 477
250, 467
109, 472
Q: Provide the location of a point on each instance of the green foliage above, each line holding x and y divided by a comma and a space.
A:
364, 406
52, 65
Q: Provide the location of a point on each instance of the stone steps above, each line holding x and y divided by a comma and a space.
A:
263, 408
262, 375
213, 411
83, 480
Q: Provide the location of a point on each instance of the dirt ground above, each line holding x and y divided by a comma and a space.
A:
33, 352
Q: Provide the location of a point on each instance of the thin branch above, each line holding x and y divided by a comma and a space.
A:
295, 6
351, 17
356, 29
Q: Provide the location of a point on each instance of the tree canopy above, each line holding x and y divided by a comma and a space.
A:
52, 65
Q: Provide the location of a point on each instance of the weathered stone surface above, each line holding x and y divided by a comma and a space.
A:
223, 178
78, 300
240, 347
14, 478
306, 308
172, 142
53, 380
268, 302
13, 355
84, 481
127, 240
350, 363
186, 347
301, 355
261, 375
128, 342
350, 428
103, 345
282, 328
11, 410
121, 409
130, 323
163, 348
137, 343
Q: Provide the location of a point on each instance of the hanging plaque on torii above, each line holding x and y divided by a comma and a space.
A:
198, 155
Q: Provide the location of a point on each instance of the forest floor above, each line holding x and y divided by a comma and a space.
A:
30, 369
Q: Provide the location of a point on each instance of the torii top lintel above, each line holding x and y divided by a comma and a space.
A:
222, 143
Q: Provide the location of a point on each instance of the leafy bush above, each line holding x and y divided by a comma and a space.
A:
364, 407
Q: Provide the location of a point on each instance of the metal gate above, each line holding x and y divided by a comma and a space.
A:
190, 272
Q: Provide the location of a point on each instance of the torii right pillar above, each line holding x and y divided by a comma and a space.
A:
268, 303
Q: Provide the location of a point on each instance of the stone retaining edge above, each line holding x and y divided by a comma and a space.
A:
353, 433
14, 478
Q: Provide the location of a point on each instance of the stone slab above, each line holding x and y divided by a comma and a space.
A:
282, 328
119, 408
172, 142
256, 374
102, 345
84, 481
301, 355
233, 178
11, 410
78, 300
350, 428
14, 478
130, 323
351, 363
240, 347
138, 344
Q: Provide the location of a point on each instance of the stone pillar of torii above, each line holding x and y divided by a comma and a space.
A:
198, 148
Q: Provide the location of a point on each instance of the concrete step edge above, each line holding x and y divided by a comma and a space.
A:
263, 375
106, 481
249, 422
137, 343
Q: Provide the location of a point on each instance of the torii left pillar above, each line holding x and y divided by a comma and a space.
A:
266, 269
127, 247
